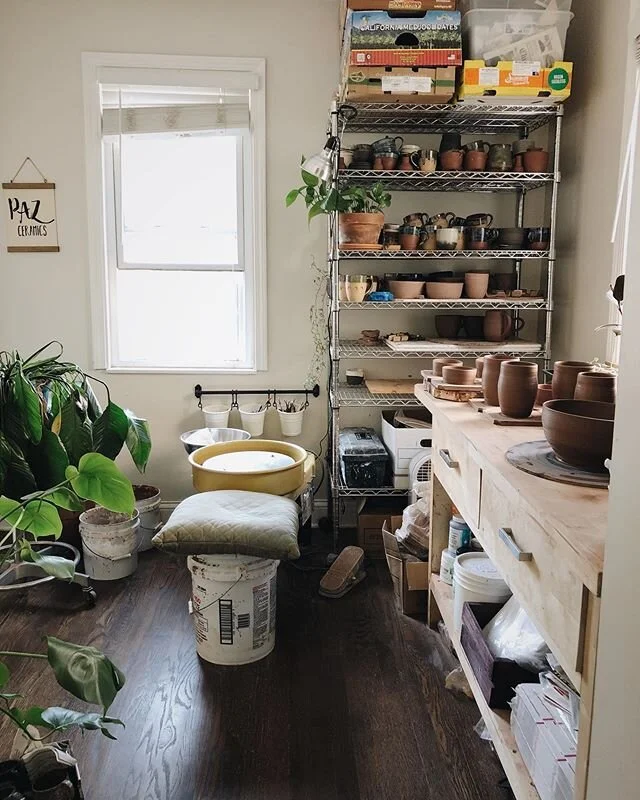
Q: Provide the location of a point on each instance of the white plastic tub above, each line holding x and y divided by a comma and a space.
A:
109, 543
476, 580
498, 34
234, 607
529, 5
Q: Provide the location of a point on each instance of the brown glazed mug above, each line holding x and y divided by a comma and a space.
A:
451, 160
490, 375
565, 376
475, 161
536, 160
517, 388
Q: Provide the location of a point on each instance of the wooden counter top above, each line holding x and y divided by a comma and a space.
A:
577, 514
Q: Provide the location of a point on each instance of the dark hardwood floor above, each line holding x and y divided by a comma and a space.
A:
350, 706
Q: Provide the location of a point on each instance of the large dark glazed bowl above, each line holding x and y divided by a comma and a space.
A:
580, 432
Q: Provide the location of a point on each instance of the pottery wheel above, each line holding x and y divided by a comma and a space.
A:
537, 458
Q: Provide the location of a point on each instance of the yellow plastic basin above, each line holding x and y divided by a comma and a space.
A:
282, 480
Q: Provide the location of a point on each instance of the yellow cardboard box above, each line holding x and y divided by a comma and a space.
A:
514, 82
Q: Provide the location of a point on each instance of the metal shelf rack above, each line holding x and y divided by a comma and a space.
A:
513, 120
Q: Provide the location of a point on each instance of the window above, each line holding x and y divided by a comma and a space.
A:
178, 278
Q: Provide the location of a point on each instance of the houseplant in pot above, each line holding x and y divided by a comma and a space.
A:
50, 417
360, 209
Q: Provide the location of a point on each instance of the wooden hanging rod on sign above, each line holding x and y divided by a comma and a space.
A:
272, 394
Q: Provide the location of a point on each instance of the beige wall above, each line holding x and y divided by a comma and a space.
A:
45, 296
589, 164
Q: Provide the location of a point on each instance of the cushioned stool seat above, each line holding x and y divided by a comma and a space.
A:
233, 521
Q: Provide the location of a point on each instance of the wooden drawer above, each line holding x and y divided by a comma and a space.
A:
542, 581
456, 468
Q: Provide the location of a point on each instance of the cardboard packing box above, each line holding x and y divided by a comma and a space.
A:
515, 82
395, 6
409, 575
381, 39
374, 515
428, 85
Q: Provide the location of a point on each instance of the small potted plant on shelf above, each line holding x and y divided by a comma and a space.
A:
360, 209
291, 414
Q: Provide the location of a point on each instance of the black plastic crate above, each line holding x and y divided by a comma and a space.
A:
363, 458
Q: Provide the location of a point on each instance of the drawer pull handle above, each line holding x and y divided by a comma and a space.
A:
506, 534
445, 455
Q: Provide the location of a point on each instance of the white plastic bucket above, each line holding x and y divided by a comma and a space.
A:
148, 505
291, 422
234, 607
252, 417
109, 543
216, 415
476, 580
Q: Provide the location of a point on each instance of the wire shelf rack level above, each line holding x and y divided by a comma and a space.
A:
463, 117
343, 490
535, 304
394, 180
431, 255
352, 349
360, 396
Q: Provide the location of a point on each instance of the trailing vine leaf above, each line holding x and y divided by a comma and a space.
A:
110, 431
291, 197
85, 672
138, 440
98, 479
4, 674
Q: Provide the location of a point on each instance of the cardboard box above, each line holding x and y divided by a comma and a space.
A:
377, 38
404, 444
515, 82
409, 575
395, 6
416, 85
371, 519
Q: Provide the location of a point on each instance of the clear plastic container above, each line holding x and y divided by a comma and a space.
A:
531, 5
515, 34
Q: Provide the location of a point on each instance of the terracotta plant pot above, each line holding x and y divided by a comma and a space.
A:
360, 228
448, 325
479, 366
580, 432
451, 160
475, 160
536, 160
565, 375
598, 386
476, 284
460, 376
517, 388
490, 375
439, 363
544, 393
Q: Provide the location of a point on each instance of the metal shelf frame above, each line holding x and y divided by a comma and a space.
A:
400, 181
513, 120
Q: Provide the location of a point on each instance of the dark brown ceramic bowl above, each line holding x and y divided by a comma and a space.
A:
580, 432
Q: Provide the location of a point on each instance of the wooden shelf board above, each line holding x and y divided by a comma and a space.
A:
497, 721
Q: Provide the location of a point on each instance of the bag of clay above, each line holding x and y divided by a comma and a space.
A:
413, 534
511, 634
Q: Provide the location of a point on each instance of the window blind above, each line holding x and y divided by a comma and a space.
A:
175, 118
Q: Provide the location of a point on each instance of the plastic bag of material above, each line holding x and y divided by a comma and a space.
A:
413, 534
511, 634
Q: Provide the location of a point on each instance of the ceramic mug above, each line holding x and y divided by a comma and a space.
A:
357, 287
475, 161
447, 238
428, 238
481, 238
479, 220
442, 220
429, 161
500, 158
451, 160
499, 325
409, 237
388, 144
389, 159
478, 146
419, 219
409, 162
539, 238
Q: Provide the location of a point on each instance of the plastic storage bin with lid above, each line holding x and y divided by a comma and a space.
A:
515, 34
531, 5
363, 458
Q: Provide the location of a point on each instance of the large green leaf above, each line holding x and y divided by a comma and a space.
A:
19, 479
110, 431
65, 498
48, 459
4, 674
138, 440
75, 431
27, 400
10, 510
61, 719
97, 478
40, 518
85, 672
309, 179
61, 568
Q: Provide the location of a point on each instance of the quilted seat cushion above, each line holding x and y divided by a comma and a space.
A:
232, 521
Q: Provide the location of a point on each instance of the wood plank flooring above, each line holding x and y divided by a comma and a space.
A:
350, 706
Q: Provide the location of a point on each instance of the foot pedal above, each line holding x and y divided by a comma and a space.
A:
344, 573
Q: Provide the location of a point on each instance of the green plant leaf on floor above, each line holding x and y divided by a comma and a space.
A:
98, 479
85, 672
61, 719
4, 674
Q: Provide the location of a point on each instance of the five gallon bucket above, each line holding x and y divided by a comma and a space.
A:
234, 607
148, 505
109, 543
476, 580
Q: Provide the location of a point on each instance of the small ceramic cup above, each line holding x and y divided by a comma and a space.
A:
447, 238
439, 363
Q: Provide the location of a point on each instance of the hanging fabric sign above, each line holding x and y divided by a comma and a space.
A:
30, 216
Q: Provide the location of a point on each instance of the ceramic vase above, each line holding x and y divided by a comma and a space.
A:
490, 375
517, 388
544, 393
565, 375
598, 386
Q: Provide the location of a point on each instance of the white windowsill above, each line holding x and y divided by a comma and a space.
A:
178, 371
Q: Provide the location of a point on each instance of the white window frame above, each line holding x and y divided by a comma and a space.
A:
101, 277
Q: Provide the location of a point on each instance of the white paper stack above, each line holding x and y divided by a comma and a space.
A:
545, 745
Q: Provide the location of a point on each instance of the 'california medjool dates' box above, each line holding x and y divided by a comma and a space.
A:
379, 38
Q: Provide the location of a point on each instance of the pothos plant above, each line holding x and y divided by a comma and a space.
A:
50, 418
323, 198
